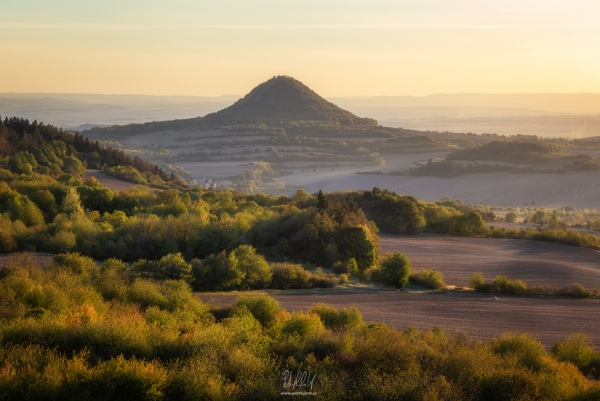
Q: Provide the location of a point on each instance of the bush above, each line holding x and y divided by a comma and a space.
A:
255, 269
263, 307
578, 291
76, 263
289, 276
394, 270
477, 282
577, 350
322, 282
429, 279
303, 325
169, 267
147, 293
510, 217
349, 267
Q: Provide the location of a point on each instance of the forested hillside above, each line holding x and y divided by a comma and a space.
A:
31, 147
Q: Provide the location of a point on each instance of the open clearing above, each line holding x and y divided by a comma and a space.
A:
551, 319
110, 182
534, 262
42, 259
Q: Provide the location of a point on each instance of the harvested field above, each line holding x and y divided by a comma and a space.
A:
110, 182
579, 190
534, 262
551, 319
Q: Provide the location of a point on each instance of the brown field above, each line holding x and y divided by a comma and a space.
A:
550, 319
534, 262
580, 190
110, 182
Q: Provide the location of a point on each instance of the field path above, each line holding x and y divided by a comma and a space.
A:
534, 262
550, 319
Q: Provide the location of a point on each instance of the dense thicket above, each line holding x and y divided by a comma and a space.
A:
79, 331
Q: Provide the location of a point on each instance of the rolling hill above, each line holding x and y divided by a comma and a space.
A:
281, 99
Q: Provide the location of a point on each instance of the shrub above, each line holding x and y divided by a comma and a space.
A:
577, 350
255, 269
147, 293
263, 307
510, 217
503, 286
302, 324
171, 266
394, 270
578, 291
322, 282
349, 267
477, 282
429, 279
76, 264
289, 276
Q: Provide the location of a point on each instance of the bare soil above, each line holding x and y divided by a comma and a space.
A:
580, 190
534, 262
110, 182
550, 319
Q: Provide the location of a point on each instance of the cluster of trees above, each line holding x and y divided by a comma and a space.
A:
450, 169
511, 151
30, 147
76, 330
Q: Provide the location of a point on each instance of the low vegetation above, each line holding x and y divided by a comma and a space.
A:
78, 330
429, 279
502, 285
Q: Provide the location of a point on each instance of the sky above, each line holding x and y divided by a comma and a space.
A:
337, 47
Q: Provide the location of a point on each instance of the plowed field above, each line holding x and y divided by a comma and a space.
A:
534, 262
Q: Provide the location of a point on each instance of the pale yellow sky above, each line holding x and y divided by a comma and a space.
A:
376, 47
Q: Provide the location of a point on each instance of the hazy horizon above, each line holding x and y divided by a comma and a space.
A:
350, 48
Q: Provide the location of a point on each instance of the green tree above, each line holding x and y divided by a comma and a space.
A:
510, 217
355, 243
322, 202
395, 269
255, 268
216, 273
96, 198
71, 205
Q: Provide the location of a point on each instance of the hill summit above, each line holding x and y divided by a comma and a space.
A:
286, 99
281, 99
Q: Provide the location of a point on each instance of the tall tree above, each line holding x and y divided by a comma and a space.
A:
322, 202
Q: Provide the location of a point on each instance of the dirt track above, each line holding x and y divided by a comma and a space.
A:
550, 319
534, 262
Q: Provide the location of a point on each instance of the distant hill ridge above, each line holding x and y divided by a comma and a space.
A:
280, 99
